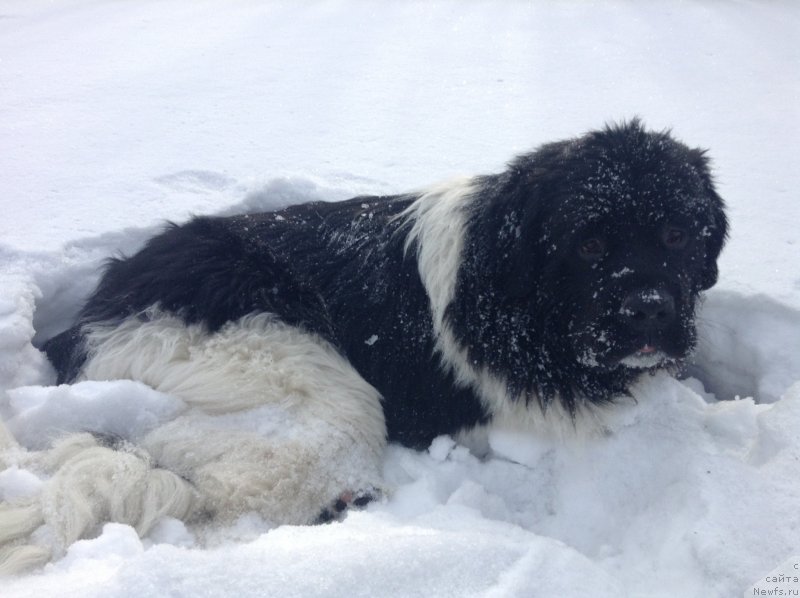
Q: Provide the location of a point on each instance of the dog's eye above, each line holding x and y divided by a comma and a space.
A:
675, 237
592, 249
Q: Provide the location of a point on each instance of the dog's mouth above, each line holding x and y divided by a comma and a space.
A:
612, 346
641, 354
648, 356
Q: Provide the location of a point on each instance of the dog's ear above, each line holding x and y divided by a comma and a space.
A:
519, 246
533, 185
520, 266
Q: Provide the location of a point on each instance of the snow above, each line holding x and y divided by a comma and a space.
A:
117, 116
122, 408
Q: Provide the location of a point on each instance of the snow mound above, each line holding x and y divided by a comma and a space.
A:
121, 408
748, 346
681, 498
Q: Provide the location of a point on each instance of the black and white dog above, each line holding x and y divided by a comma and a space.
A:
300, 340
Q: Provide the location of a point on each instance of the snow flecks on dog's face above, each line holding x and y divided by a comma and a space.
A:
602, 245
644, 230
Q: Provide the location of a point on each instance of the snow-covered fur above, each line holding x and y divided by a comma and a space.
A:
299, 340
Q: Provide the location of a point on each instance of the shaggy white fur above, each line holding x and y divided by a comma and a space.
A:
438, 222
277, 423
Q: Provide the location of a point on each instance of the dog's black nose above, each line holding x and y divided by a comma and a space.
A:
648, 310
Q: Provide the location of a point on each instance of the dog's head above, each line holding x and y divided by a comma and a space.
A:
621, 233
605, 243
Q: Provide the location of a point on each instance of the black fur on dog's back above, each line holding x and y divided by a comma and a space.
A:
525, 304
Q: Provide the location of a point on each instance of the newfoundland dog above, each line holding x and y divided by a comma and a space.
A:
301, 340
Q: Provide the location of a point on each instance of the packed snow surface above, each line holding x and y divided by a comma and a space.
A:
115, 116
